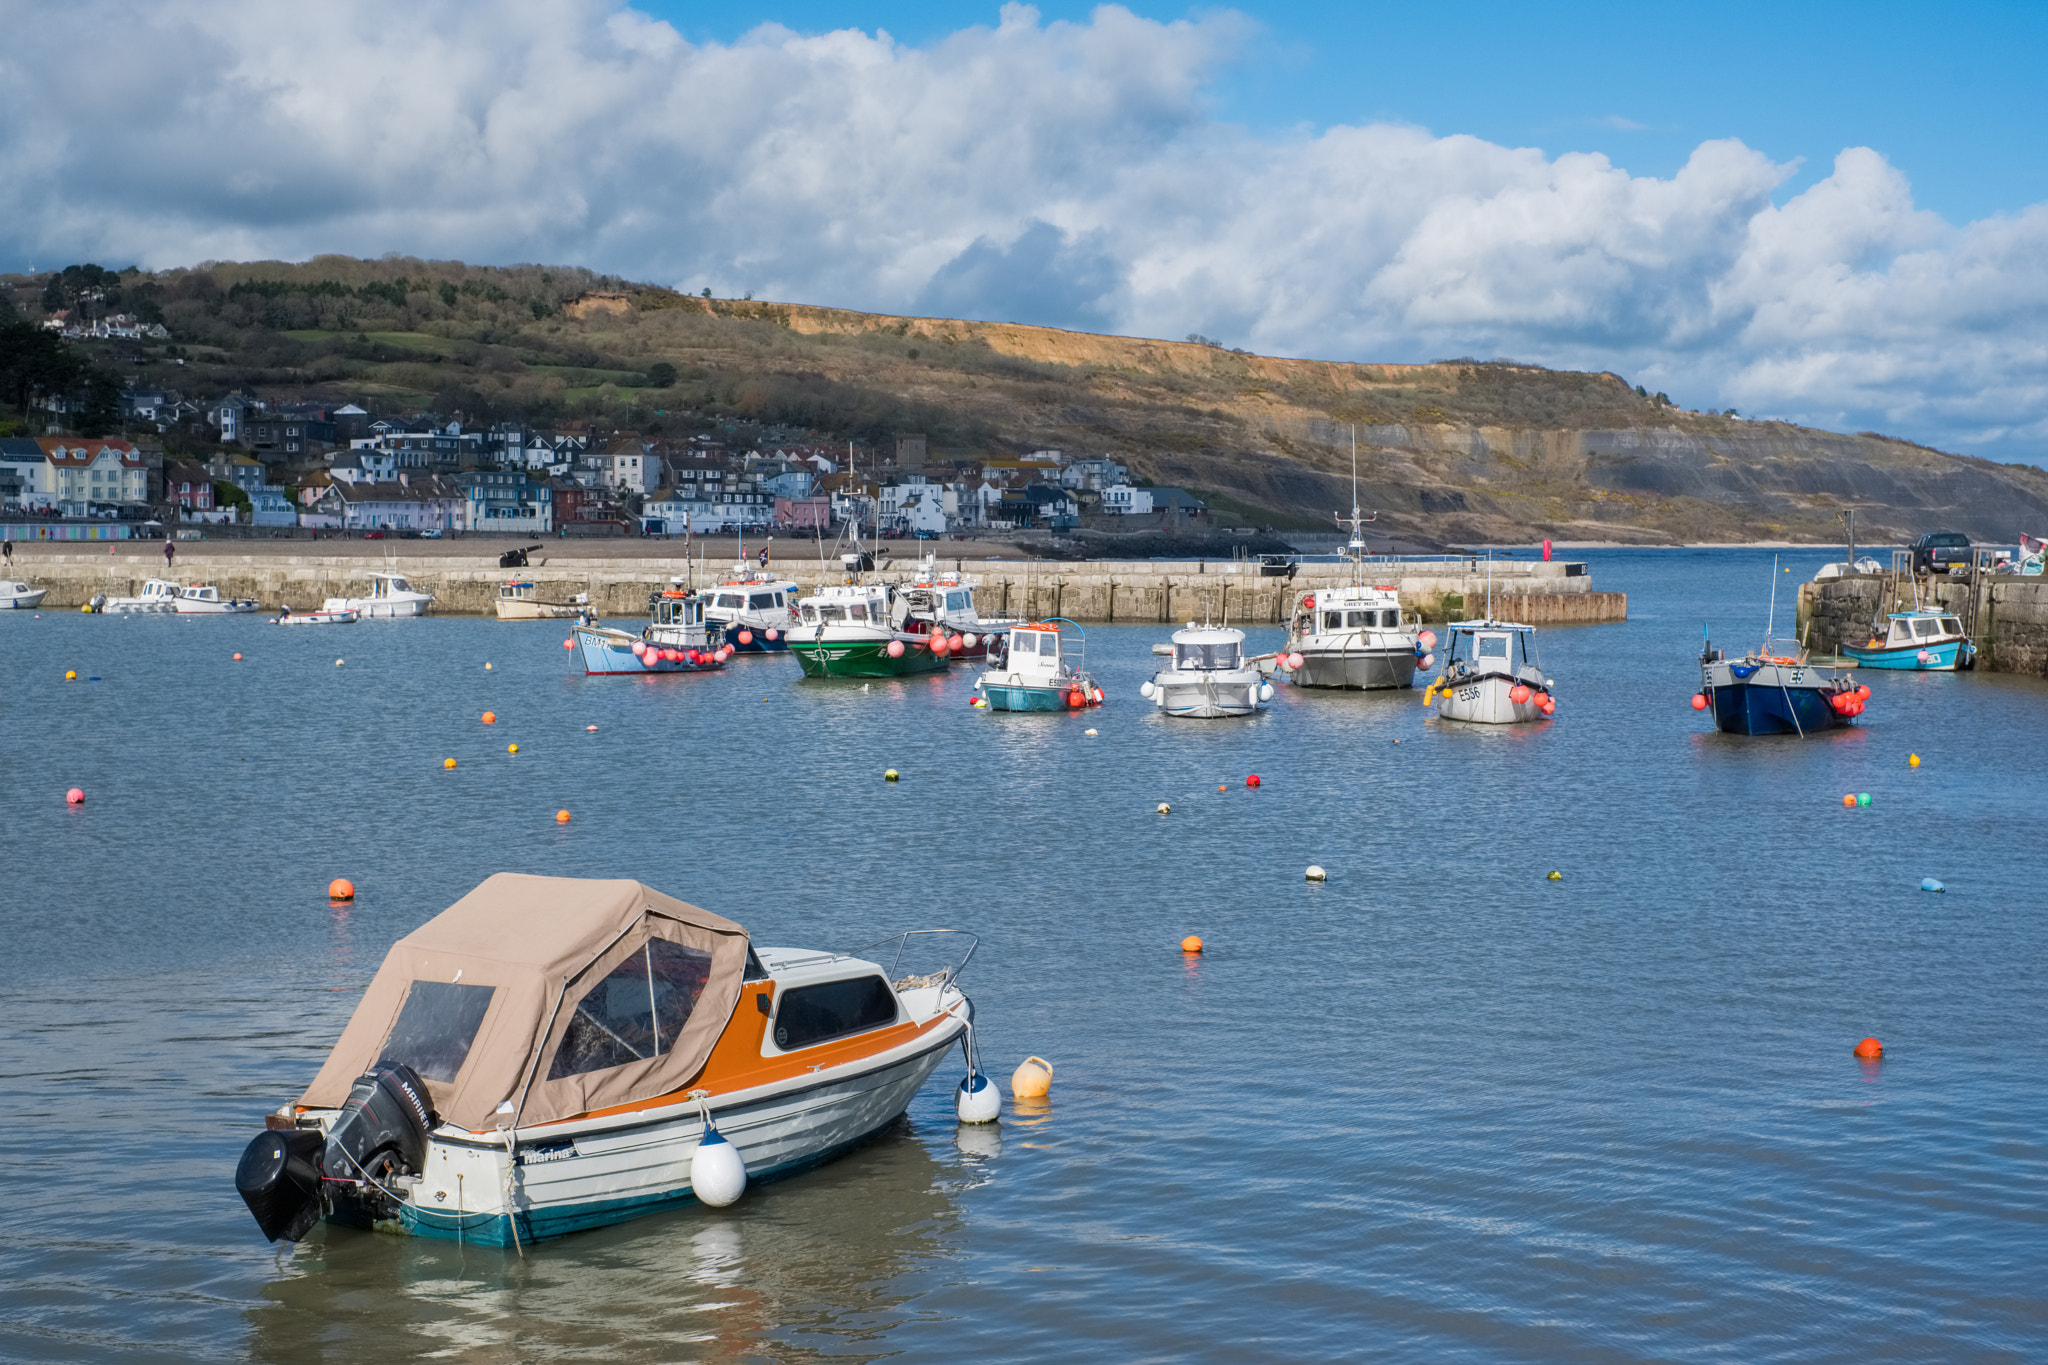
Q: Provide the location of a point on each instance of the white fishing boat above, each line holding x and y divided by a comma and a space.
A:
518, 600
1209, 675
1491, 675
203, 599
19, 596
159, 597
323, 617
391, 597
1355, 635
942, 604
552, 1054
752, 610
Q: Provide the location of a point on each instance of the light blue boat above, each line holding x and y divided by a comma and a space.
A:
1924, 640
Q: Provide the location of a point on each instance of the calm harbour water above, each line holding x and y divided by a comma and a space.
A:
1439, 1109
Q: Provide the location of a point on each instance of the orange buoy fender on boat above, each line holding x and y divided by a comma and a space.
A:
341, 889
1191, 944
1699, 701
1870, 1049
568, 644
1032, 1079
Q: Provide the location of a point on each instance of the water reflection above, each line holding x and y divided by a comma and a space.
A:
820, 1263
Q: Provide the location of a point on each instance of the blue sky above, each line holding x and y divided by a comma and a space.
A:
1954, 95
1828, 213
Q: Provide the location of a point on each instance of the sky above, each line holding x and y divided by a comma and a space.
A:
1831, 213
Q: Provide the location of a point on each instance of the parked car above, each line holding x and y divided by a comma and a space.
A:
373, 535
1941, 552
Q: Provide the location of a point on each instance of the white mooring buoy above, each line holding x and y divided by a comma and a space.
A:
718, 1175
977, 1100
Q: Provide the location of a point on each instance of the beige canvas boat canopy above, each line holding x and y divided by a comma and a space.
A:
573, 994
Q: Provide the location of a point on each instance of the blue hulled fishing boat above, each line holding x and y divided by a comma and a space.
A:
1774, 689
1926, 640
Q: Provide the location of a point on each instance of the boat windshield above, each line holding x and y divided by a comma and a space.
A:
1034, 642
957, 600
1216, 656
1951, 626
761, 601
1924, 626
730, 600
435, 1027
825, 613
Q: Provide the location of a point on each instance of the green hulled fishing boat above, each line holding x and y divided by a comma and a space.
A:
855, 630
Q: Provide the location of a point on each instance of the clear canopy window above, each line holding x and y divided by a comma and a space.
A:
761, 601
956, 601
1493, 647
635, 1011
436, 1026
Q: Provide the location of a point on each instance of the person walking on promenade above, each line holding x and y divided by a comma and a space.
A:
170, 552
7, 551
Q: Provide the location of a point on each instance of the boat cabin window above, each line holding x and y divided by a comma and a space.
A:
1493, 647
435, 1027
834, 1009
1901, 632
730, 599
827, 613
858, 611
761, 601
1205, 656
1951, 626
956, 601
1924, 626
1333, 620
635, 1011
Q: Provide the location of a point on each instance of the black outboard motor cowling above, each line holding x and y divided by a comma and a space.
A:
279, 1179
383, 1127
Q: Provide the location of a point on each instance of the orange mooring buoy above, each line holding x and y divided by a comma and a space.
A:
490, 717
561, 817
341, 889
1191, 944
1870, 1049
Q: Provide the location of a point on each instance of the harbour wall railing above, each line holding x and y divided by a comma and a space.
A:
1154, 591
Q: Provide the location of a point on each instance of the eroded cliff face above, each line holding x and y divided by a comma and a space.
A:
1462, 451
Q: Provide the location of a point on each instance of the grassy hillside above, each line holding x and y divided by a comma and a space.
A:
1460, 450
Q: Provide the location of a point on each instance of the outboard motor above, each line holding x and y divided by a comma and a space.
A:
289, 1177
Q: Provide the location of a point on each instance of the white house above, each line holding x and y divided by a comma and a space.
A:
923, 512
412, 503
1123, 500
86, 474
631, 468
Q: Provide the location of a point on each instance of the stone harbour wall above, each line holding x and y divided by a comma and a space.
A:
1534, 592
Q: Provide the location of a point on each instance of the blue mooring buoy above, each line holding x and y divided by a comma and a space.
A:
1929, 884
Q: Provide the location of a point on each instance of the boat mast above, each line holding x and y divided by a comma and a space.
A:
1771, 622
1355, 550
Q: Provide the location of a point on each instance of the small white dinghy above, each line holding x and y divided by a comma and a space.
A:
19, 596
326, 616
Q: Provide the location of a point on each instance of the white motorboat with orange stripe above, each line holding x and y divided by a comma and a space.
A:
553, 1054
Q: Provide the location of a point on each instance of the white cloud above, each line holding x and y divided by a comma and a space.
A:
1067, 173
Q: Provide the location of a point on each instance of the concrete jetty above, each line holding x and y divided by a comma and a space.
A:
1151, 591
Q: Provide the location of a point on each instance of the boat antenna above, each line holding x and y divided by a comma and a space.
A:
1489, 584
1771, 622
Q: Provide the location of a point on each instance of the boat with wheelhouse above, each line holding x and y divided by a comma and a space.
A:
552, 1054
1354, 635
1040, 666
1208, 675
391, 597
674, 640
159, 597
203, 599
1491, 675
1925, 640
19, 596
752, 610
942, 604
519, 599
855, 629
